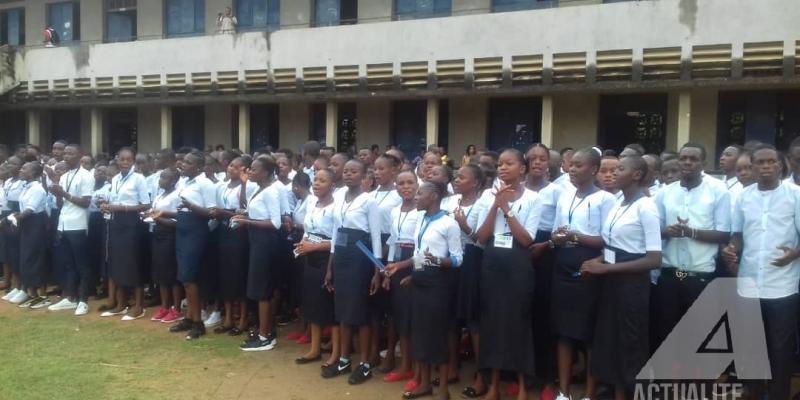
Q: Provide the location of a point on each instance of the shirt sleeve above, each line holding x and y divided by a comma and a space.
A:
210, 195
737, 219
662, 209
648, 215
87, 185
722, 213
392, 235
454, 244
141, 191
559, 220
272, 205
482, 211
374, 217
531, 223
336, 224
37, 199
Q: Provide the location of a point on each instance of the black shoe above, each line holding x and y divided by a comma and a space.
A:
255, 343
198, 329
360, 375
182, 326
334, 370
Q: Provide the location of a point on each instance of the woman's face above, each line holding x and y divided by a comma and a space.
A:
406, 185
439, 175
538, 159
471, 150
626, 175
465, 181
353, 174
606, 173
125, 160
510, 169
430, 161
384, 172
425, 197
323, 184
284, 167
744, 171
581, 170
257, 172
27, 171
337, 166
191, 166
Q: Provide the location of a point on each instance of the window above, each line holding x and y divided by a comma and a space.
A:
767, 116
634, 118
514, 122
409, 125
415, 9
317, 115
12, 23
188, 127
121, 128
335, 12
258, 15
120, 20
517, 5
185, 17
264, 126
65, 18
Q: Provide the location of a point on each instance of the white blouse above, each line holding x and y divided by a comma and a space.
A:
318, 220
200, 191
264, 205
100, 194
451, 203
33, 197
129, 190
299, 211
169, 202
549, 196
402, 229
12, 189
229, 197
439, 236
285, 197
527, 210
583, 215
386, 200
362, 214
634, 228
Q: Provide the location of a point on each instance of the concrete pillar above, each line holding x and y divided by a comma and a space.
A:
331, 124
244, 127
547, 121
166, 127
96, 128
34, 128
684, 118
432, 126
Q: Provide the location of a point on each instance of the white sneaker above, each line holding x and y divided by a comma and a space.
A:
62, 305
19, 298
81, 309
185, 305
10, 295
562, 396
43, 302
213, 320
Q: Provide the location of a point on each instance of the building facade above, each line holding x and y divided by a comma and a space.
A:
494, 73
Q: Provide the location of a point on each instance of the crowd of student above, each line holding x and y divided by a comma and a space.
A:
574, 252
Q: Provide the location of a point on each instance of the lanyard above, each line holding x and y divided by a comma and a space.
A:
424, 226
345, 210
506, 228
572, 209
400, 221
382, 198
617, 215
228, 191
69, 181
122, 181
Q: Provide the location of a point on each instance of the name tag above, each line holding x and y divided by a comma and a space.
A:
503, 241
609, 256
314, 239
107, 216
341, 239
419, 261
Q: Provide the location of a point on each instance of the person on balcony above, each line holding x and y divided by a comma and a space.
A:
226, 23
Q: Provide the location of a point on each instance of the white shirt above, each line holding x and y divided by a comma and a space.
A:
451, 203
404, 223
731, 182
285, 195
129, 190
310, 172
767, 219
33, 197
634, 227
12, 188
300, 208
386, 200
318, 220
563, 181
78, 183
527, 211
199, 191
266, 205
549, 196
152, 185
706, 207
362, 214
229, 198
100, 194
588, 213
169, 202
439, 236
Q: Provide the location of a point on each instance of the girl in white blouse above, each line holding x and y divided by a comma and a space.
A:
12, 187
31, 220
508, 220
632, 237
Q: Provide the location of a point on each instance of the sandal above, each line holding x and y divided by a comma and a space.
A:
398, 376
106, 307
412, 395
303, 360
410, 386
235, 332
470, 392
436, 381
222, 329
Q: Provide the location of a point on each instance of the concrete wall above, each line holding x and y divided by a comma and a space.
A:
467, 125
575, 119
149, 128
218, 125
703, 121
374, 122
293, 125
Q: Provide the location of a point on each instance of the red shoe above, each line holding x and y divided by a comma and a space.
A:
398, 376
294, 335
160, 314
303, 340
548, 393
410, 386
172, 316
512, 390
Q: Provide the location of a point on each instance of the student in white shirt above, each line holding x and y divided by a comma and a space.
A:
793, 155
605, 175
74, 190
746, 177
437, 251
766, 246
127, 198
632, 239
232, 261
263, 220
695, 220
313, 251
401, 247
164, 264
508, 219
32, 224
12, 187
727, 163
198, 196
356, 219
336, 165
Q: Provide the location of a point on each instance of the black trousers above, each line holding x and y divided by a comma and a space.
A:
780, 327
72, 253
673, 298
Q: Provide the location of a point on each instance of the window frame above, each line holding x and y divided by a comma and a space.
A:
76, 20
196, 32
341, 21
4, 37
106, 12
535, 5
407, 17
258, 28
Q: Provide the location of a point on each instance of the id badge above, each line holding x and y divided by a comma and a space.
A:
341, 239
503, 241
419, 261
314, 239
107, 216
609, 256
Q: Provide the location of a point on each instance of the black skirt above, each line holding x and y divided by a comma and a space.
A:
97, 244
507, 284
33, 242
11, 239
574, 297
123, 245
401, 296
352, 274
260, 274
317, 300
621, 347
164, 263
469, 300
431, 314
191, 237
381, 302
544, 340
232, 265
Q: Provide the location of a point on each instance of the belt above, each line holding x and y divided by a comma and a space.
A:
683, 274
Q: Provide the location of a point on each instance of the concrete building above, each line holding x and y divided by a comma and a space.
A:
494, 73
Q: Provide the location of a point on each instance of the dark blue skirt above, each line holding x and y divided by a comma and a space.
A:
432, 317
352, 272
260, 273
401, 296
191, 237
124, 247
33, 250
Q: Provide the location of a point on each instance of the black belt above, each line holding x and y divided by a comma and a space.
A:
683, 274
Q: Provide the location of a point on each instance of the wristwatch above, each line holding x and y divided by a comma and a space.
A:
510, 214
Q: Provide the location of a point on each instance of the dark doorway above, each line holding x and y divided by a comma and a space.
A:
264, 126
188, 127
409, 123
123, 130
769, 117
514, 122
317, 115
347, 120
634, 118
443, 133
13, 127
65, 125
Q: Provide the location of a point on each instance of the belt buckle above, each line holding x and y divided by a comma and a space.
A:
681, 274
